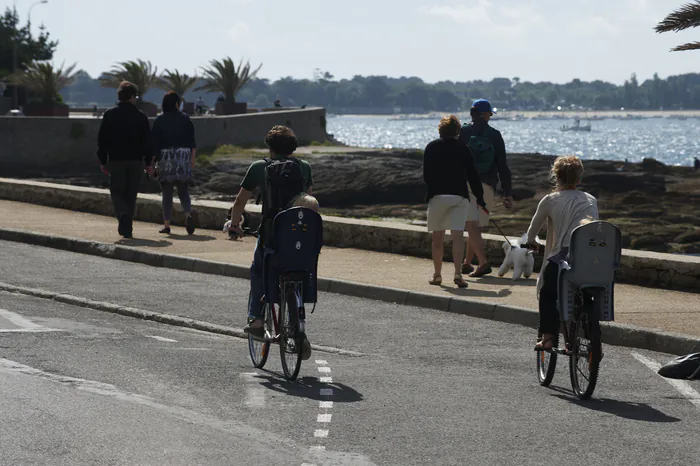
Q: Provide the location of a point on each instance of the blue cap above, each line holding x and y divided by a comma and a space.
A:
483, 105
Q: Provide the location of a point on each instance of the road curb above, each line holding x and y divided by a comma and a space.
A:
613, 333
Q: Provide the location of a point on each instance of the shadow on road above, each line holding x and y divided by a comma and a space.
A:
625, 409
471, 292
491, 280
309, 387
195, 238
144, 242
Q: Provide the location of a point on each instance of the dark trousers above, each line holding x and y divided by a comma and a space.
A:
549, 314
124, 182
183, 193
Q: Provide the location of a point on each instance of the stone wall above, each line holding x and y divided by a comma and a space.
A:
35, 146
638, 267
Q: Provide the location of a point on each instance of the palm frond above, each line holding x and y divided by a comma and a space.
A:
174, 81
141, 73
46, 80
686, 17
224, 77
688, 46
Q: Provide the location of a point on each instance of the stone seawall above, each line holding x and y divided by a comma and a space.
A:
659, 270
40, 146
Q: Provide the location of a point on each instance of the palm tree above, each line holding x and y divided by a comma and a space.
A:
223, 76
174, 81
44, 79
141, 73
686, 17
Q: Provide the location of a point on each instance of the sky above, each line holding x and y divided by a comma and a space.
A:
436, 40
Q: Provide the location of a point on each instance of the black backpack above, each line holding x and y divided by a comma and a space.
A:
284, 181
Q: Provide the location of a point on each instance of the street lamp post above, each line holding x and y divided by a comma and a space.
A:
14, 46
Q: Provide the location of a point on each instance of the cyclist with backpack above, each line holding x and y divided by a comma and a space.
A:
489, 152
281, 180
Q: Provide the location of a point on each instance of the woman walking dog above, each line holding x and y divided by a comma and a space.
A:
174, 149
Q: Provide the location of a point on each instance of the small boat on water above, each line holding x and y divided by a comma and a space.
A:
577, 126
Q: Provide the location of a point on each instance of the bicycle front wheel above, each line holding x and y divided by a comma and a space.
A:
586, 351
290, 336
547, 363
260, 349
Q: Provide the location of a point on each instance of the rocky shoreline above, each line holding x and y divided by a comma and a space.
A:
655, 205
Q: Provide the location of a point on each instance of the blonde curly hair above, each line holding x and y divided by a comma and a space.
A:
566, 172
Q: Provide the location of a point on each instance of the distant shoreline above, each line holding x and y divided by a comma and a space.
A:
551, 113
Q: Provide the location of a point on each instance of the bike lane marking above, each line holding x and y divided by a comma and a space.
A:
682, 386
324, 417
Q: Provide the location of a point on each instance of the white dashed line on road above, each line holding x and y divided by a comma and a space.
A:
11, 322
254, 392
168, 340
683, 387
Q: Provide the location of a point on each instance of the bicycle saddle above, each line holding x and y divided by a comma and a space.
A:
682, 367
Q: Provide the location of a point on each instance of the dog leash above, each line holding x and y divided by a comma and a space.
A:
496, 225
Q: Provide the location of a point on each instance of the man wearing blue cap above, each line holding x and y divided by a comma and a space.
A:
489, 152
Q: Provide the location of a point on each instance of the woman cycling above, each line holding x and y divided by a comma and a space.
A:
564, 209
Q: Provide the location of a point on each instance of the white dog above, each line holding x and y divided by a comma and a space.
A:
521, 260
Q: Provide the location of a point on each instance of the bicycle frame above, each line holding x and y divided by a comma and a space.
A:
276, 315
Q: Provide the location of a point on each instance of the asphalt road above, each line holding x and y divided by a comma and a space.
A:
79, 386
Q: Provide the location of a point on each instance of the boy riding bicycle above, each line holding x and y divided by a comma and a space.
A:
282, 181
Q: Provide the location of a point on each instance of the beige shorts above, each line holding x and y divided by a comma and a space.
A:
476, 213
447, 212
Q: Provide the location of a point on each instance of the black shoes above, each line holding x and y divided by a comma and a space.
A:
189, 224
125, 227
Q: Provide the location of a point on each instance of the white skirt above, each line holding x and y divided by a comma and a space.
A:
447, 212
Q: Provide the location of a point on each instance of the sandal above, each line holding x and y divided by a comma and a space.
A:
481, 271
467, 268
436, 280
459, 281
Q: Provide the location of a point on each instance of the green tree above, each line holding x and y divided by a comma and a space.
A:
44, 79
141, 73
685, 17
224, 77
174, 81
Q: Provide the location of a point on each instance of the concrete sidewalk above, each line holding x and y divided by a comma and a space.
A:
670, 311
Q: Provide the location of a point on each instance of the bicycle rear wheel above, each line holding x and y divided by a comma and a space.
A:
586, 351
290, 336
547, 364
260, 349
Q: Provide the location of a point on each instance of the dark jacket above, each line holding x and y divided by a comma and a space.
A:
447, 167
124, 135
499, 170
172, 130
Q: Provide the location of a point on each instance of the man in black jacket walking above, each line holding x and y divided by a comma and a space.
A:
123, 150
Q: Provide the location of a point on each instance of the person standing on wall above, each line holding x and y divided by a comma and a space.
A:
123, 149
489, 152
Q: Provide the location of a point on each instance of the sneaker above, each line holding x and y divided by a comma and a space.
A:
189, 224
305, 349
481, 271
255, 327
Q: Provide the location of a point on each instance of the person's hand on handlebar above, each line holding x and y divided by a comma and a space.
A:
534, 246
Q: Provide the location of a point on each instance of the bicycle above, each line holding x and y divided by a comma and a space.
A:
586, 296
289, 271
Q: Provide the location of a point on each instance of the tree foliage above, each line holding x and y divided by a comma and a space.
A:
43, 79
29, 47
174, 81
223, 76
685, 17
139, 72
